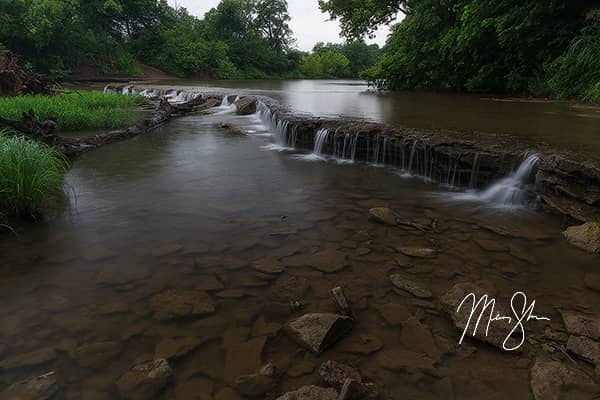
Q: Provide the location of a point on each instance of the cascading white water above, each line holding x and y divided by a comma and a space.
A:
508, 192
320, 139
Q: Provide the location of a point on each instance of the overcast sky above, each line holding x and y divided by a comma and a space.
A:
309, 24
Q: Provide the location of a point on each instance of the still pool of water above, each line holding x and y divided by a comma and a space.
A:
560, 124
193, 210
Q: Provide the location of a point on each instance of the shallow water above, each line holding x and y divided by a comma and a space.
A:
191, 207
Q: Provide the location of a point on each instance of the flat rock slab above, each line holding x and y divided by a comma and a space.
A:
403, 360
310, 393
41, 387
584, 348
499, 330
582, 325
363, 344
115, 275
31, 359
410, 286
145, 380
592, 281
586, 236
174, 304
417, 252
328, 261
175, 348
243, 358
383, 215
318, 331
394, 314
96, 355
550, 380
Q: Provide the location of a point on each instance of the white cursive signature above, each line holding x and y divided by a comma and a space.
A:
521, 315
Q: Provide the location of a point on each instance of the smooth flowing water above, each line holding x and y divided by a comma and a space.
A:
236, 221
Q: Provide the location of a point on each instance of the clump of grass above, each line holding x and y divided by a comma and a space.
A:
76, 110
31, 174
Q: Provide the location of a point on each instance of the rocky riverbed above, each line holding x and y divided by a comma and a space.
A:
197, 265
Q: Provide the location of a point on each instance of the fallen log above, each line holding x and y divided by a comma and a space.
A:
43, 131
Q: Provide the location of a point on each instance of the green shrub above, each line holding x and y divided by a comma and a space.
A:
32, 175
77, 110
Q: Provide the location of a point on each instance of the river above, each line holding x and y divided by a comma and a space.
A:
191, 210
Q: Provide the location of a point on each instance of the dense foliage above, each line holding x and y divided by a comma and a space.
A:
32, 174
76, 110
237, 39
503, 46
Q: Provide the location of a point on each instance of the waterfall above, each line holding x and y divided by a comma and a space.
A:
507, 192
225, 102
320, 139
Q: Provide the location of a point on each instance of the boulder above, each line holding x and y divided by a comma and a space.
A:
411, 287
383, 215
310, 393
42, 387
319, 331
174, 304
341, 302
246, 106
354, 390
585, 237
144, 381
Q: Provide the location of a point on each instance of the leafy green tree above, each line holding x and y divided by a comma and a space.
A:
271, 20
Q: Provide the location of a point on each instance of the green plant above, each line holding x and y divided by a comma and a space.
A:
76, 110
32, 174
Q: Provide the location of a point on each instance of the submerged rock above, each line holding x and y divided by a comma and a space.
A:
310, 393
243, 358
145, 380
411, 287
418, 252
42, 387
257, 384
383, 216
173, 304
319, 331
550, 379
175, 348
584, 348
499, 330
585, 237
402, 360
96, 355
335, 374
592, 281
582, 325
31, 359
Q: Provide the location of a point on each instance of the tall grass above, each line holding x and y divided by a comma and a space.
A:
31, 174
76, 110
576, 74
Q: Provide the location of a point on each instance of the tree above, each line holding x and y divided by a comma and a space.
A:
359, 17
271, 20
